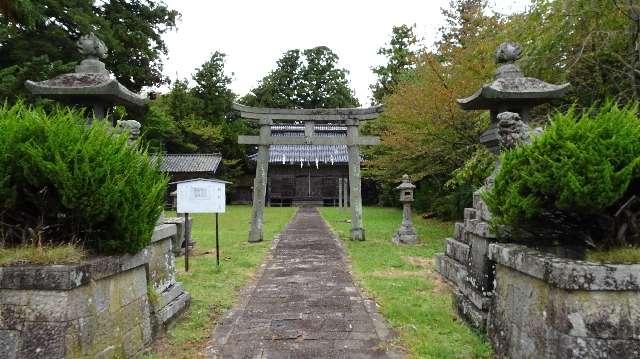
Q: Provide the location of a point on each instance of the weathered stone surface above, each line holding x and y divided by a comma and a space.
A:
99, 308
468, 311
458, 232
304, 304
470, 213
180, 233
480, 267
9, 343
566, 274
457, 274
90, 83
533, 316
457, 250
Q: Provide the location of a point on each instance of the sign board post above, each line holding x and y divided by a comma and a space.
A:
201, 196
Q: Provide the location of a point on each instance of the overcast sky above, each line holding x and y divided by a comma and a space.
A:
255, 33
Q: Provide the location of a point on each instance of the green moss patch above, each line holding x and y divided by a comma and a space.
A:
46, 254
621, 255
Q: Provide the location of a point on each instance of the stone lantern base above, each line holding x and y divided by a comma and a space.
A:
406, 235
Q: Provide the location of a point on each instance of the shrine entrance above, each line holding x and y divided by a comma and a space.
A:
307, 186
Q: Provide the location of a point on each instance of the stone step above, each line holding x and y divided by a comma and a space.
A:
470, 213
457, 250
477, 198
469, 312
458, 232
479, 228
173, 309
457, 274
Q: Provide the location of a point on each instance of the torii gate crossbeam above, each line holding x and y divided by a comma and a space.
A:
349, 117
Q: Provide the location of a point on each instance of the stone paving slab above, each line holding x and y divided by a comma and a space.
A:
304, 304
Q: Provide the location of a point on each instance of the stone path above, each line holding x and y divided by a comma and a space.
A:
304, 304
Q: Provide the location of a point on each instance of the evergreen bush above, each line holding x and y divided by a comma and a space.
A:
64, 182
576, 183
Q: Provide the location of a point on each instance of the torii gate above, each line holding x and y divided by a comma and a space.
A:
349, 117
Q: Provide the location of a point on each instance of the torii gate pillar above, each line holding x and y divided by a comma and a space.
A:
355, 187
260, 182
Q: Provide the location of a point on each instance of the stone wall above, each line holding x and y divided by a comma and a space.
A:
535, 305
548, 307
466, 266
101, 308
171, 299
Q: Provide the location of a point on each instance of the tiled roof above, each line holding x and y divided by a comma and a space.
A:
307, 154
193, 162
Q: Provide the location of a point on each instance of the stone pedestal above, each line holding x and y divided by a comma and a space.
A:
406, 233
105, 307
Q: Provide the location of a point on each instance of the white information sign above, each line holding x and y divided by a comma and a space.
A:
201, 196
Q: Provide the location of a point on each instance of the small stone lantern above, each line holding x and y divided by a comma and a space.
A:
406, 233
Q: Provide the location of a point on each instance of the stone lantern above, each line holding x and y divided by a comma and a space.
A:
91, 85
509, 98
510, 91
406, 233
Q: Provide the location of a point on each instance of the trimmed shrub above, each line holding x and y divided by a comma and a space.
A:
64, 182
576, 183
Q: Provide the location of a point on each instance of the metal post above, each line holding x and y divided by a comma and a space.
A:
340, 192
355, 196
260, 183
217, 243
187, 239
345, 193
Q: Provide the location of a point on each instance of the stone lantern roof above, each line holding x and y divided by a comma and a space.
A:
406, 183
91, 83
510, 87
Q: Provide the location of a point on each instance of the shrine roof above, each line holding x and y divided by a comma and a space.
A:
191, 162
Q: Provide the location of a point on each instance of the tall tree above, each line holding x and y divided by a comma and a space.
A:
304, 79
424, 132
37, 39
198, 118
401, 57
212, 87
594, 44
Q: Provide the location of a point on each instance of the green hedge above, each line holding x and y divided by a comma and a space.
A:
64, 182
572, 180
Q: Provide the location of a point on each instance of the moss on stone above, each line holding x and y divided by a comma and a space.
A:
620, 255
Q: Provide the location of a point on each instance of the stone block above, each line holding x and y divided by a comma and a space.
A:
449, 268
565, 273
45, 340
480, 268
172, 310
470, 213
477, 198
457, 274
457, 250
459, 233
533, 316
579, 348
479, 228
9, 343
163, 231
469, 312
162, 265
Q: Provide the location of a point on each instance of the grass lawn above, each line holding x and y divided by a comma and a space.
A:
403, 281
215, 290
